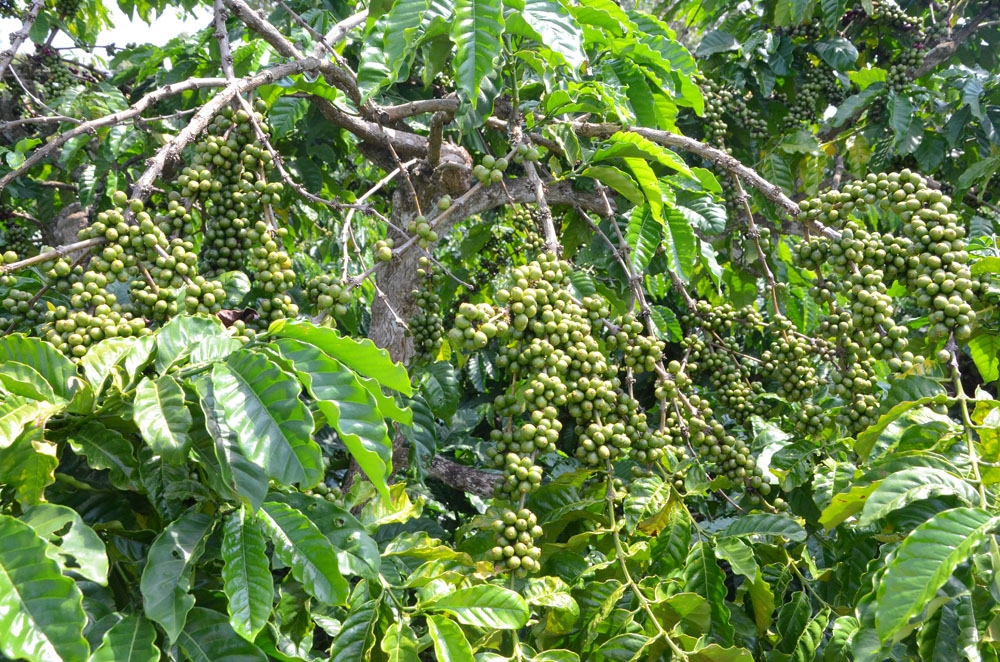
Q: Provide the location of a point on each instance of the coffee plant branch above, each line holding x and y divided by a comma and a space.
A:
18, 37
133, 111
340, 77
221, 34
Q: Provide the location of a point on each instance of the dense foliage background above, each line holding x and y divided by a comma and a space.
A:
544, 330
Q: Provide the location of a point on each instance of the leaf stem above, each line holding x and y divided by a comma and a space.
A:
620, 553
966, 421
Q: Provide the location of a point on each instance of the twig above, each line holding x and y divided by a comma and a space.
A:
17, 38
49, 119
109, 120
448, 271
481, 198
320, 39
434, 138
340, 30
720, 158
544, 213
339, 76
53, 254
395, 113
221, 34
754, 233
27, 90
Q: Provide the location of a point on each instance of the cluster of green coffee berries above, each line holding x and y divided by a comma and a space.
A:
67, 8
811, 30
788, 361
383, 249
730, 376
525, 152
16, 238
930, 257
515, 535
722, 318
717, 101
476, 325
819, 84
890, 13
328, 294
690, 417
490, 170
421, 227
901, 71
640, 352
426, 326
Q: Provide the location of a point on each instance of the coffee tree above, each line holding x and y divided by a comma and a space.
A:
496, 331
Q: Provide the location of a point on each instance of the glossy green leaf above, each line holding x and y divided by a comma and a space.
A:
387, 404
164, 420
28, 466
717, 41
166, 579
738, 555
703, 576
177, 338
400, 643
846, 504
301, 546
717, 653
841, 635
648, 184
208, 637
764, 524
450, 644
476, 31
77, 548
361, 356
562, 611
680, 243
105, 448
923, 563
937, 638
902, 488
985, 352
643, 237
550, 24
57, 371
617, 179
629, 144
100, 360
18, 412
484, 606
132, 639
357, 635
246, 574
21, 379
837, 52
349, 407
403, 26
866, 440
41, 612
673, 542
623, 647
274, 428
557, 655
245, 478
357, 552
